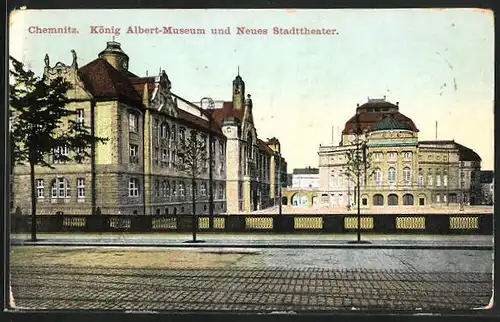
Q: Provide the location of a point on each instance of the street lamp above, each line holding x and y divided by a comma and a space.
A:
279, 181
208, 112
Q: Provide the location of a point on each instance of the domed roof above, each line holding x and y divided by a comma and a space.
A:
389, 123
112, 47
375, 111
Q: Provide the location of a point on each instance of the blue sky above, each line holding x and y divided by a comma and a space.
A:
438, 64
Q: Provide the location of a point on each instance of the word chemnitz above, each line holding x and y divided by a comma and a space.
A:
169, 30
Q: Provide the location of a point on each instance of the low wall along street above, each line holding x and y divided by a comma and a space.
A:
317, 223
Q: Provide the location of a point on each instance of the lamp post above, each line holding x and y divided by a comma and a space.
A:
279, 181
208, 113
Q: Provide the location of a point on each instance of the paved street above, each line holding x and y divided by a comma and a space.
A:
253, 279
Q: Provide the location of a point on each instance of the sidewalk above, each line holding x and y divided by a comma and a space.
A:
479, 242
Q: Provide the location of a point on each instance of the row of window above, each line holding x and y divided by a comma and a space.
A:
167, 189
392, 175
60, 188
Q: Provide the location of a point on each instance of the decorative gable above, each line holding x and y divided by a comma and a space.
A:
69, 74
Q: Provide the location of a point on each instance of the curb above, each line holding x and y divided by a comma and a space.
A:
264, 246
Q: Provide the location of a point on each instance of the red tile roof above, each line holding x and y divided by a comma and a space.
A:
368, 119
227, 111
105, 82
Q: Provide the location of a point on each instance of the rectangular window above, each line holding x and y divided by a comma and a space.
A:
133, 188
134, 153
157, 156
445, 180
80, 118
39, 188
157, 188
174, 189
181, 189
438, 198
407, 155
164, 157
156, 129
445, 198
203, 189
133, 122
80, 188
392, 156
420, 180
438, 180
221, 191
429, 179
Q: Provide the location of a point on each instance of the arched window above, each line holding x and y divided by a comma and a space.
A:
392, 175
420, 179
378, 200
438, 178
408, 199
378, 176
429, 177
407, 175
392, 200
60, 188
445, 178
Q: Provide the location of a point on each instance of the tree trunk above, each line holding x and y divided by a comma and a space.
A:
194, 223
33, 202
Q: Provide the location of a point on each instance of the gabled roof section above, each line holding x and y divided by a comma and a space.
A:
103, 81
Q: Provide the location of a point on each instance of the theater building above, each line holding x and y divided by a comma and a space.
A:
403, 171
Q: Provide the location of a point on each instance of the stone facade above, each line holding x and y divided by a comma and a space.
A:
402, 170
144, 122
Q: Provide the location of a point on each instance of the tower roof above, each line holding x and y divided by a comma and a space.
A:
113, 47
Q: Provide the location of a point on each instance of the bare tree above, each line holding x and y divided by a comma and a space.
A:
192, 160
358, 170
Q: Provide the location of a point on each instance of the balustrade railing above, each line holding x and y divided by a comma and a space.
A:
297, 223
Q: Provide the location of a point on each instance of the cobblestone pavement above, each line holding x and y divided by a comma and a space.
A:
259, 283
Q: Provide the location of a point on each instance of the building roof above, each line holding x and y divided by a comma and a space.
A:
307, 170
264, 147
227, 111
103, 81
465, 153
389, 123
373, 112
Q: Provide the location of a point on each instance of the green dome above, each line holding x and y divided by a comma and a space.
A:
389, 123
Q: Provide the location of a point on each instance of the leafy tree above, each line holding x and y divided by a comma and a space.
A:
38, 115
192, 160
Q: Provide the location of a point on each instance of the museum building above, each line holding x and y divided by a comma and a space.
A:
144, 122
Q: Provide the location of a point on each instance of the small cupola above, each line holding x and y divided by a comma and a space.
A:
115, 56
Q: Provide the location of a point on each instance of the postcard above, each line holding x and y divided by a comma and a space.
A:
251, 160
